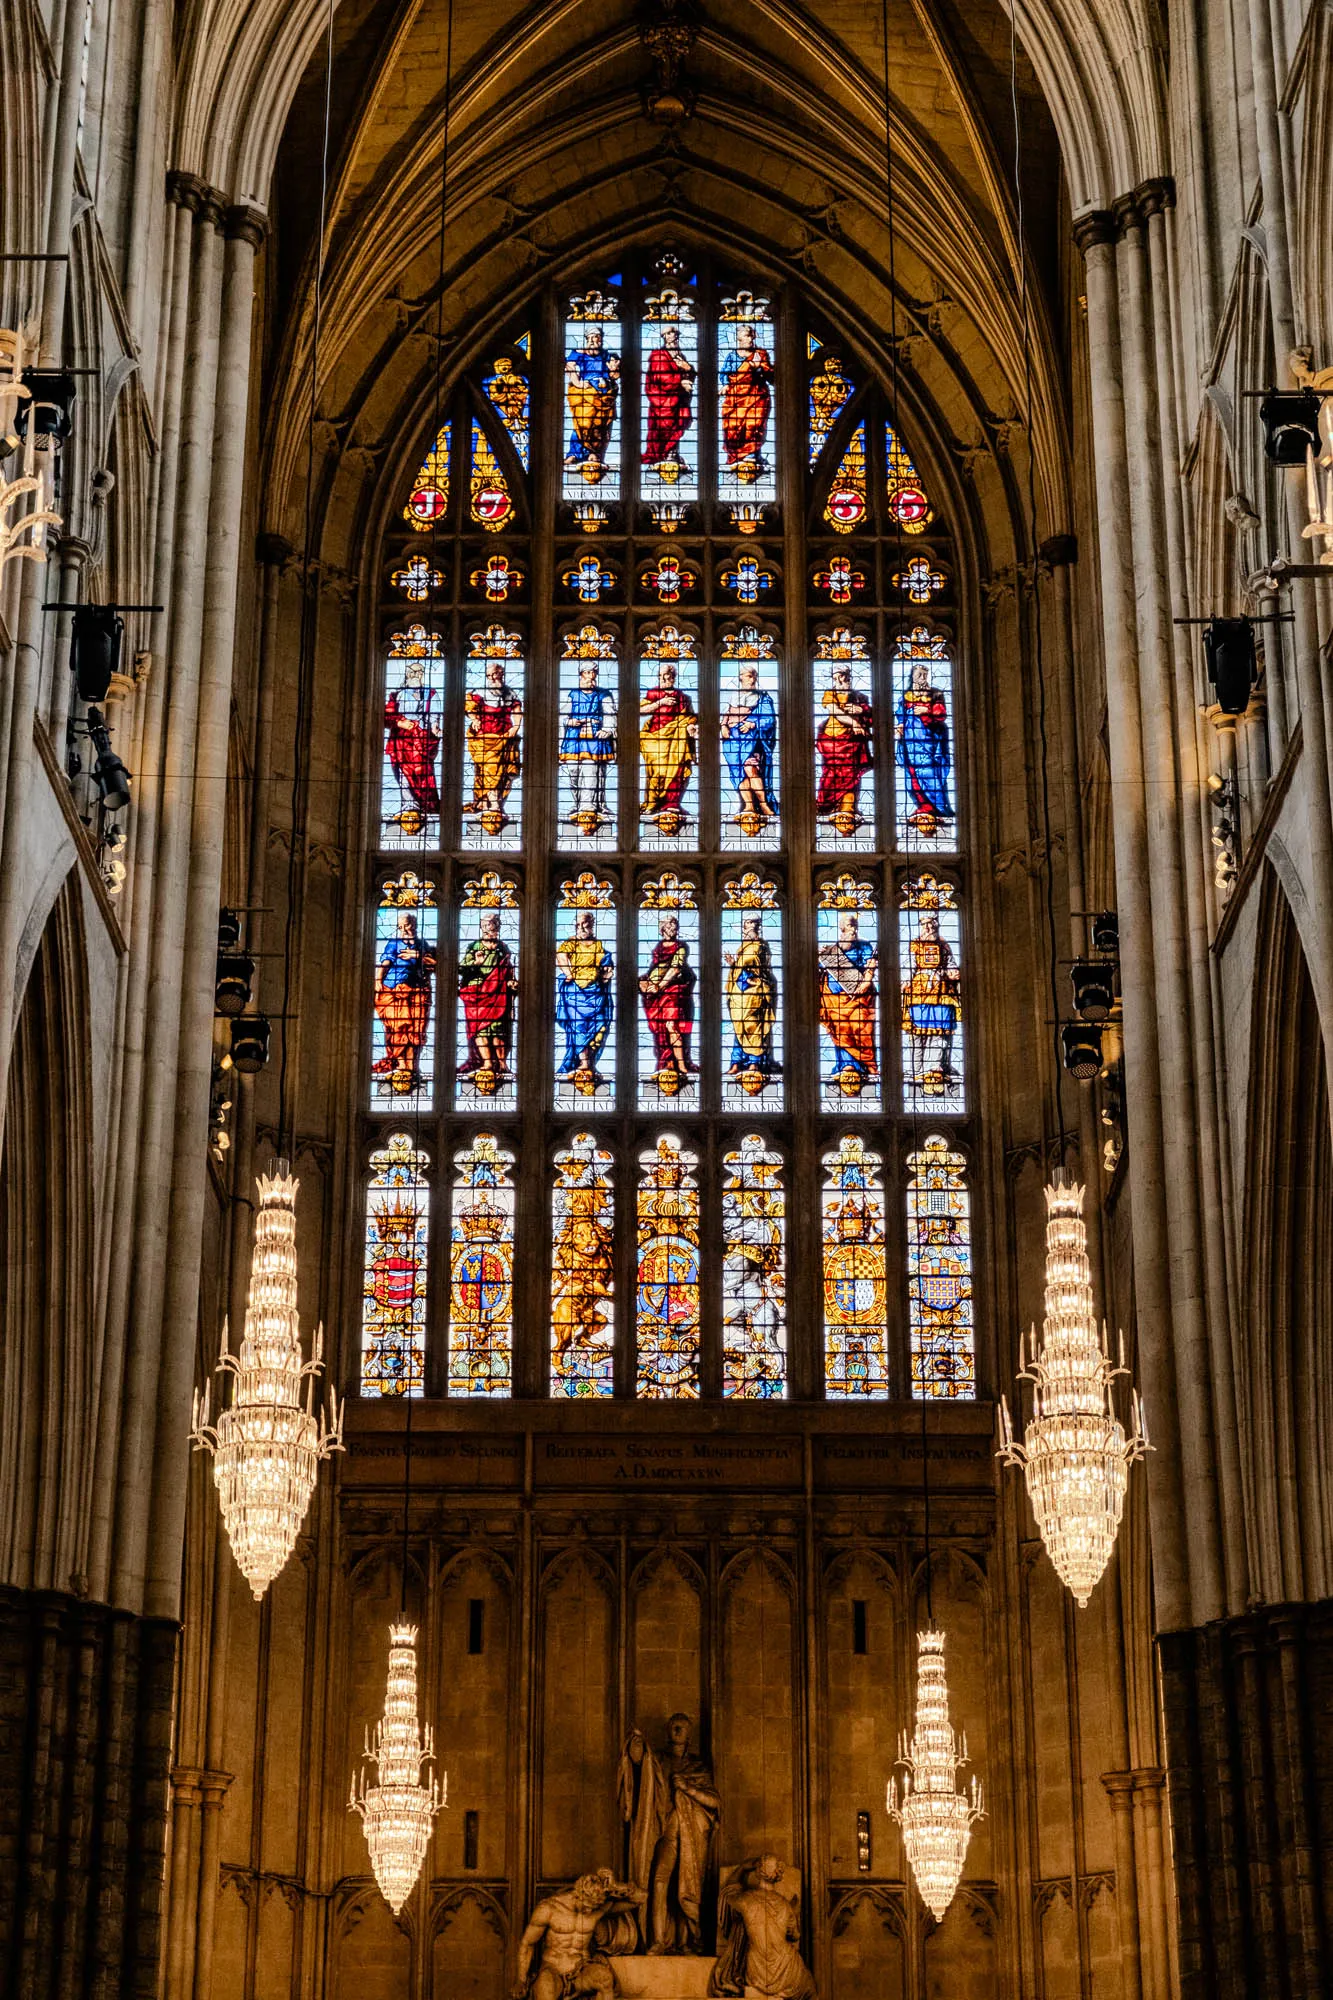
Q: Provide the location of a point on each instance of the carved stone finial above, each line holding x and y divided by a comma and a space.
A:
668, 32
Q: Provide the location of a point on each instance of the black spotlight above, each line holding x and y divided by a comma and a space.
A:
94, 651
1083, 1049
1093, 981
250, 1035
236, 975
1290, 418
1106, 933
109, 774
1228, 648
49, 406
229, 929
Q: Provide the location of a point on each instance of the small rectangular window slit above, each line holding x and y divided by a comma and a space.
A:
470, 1820
858, 1625
476, 1611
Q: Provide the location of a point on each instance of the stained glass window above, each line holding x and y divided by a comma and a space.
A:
751, 767
844, 744
748, 580
668, 972
429, 498
493, 708
918, 582
583, 1271
923, 744
481, 1271
416, 579
666, 1289
856, 1290
492, 502
829, 390
845, 507
413, 721
849, 1071
393, 1292
667, 578
585, 995
747, 460
939, 1272
908, 505
650, 829
754, 1312
669, 453
487, 1018
402, 1036
588, 779
592, 398
752, 1010
929, 947
668, 741
496, 578
507, 388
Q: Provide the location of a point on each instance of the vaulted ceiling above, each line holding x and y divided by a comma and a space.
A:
554, 155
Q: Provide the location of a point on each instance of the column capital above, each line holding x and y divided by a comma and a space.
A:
1097, 226
1155, 195
187, 190
1150, 1780
1119, 1786
273, 549
1222, 722
249, 222
1059, 551
1128, 212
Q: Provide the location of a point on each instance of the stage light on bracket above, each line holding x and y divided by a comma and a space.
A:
235, 982
1228, 650
94, 649
1093, 981
49, 407
1290, 418
229, 930
250, 1038
1082, 1041
109, 773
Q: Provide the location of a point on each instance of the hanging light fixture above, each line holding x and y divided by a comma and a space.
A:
936, 1816
398, 1809
1075, 1453
266, 1448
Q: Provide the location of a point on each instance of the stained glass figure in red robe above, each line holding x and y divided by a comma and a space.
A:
845, 751
747, 404
669, 393
410, 805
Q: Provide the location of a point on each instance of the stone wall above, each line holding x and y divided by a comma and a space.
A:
85, 1736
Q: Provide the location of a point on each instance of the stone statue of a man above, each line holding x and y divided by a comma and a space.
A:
559, 1954
762, 1928
672, 1808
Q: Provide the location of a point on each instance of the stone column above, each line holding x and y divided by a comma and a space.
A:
185, 1796
1095, 236
1172, 996
184, 194
244, 229
1119, 1787
172, 876
1149, 1785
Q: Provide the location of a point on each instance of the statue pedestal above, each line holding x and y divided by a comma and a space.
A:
663, 1977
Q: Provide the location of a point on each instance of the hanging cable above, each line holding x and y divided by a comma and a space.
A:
309, 618
901, 573
1038, 654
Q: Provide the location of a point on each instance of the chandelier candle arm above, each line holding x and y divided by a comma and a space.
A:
1075, 1454
266, 1447
397, 1806
935, 1814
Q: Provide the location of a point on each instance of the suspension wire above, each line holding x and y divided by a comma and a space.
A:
900, 637
1038, 656
309, 615
434, 565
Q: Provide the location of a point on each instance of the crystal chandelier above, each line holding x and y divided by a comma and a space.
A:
399, 1808
266, 1447
1075, 1454
935, 1816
